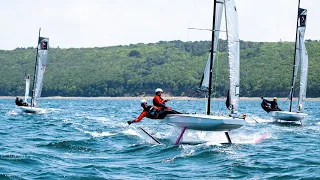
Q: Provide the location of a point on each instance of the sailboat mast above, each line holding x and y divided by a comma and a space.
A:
211, 56
35, 71
294, 62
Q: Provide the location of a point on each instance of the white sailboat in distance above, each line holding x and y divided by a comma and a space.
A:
300, 58
40, 68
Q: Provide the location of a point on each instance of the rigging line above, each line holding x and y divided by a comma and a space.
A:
190, 19
206, 29
285, 101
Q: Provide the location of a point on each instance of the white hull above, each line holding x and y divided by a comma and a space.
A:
28, 109
205, 122
288, 116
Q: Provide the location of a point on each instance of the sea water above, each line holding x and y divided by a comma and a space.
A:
90, 139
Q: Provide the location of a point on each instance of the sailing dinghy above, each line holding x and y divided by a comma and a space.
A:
300, 58
209, 122
40, 68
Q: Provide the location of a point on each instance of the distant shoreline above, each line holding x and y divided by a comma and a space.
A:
149, 98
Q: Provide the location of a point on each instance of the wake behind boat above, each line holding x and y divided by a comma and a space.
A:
40, 68
208, 122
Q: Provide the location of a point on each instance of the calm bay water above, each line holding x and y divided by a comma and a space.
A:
90, 139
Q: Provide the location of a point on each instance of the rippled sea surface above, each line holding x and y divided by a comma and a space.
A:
90, 139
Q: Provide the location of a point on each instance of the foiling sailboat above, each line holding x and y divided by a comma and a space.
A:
209, 122
40, 68
300, 57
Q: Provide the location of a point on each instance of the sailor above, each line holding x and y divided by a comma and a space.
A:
25, 104
151, 112
160, 103
265, 105
274, 104
19, 102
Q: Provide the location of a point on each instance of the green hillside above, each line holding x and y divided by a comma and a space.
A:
175, 66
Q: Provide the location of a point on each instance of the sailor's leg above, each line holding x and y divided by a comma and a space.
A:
181, 135
228, 137
162, 114
176, 112
173, 112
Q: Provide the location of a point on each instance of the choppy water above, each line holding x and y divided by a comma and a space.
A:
90, 139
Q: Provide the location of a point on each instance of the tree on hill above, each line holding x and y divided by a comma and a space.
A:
176, 66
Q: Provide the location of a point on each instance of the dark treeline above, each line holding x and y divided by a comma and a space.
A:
175, 66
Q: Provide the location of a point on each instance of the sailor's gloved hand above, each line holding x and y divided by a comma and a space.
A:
129, 122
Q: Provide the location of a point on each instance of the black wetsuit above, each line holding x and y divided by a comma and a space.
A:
265, 105
274, 105
162, 114
19, 102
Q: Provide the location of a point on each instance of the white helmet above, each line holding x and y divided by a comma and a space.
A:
143, 101
158, 90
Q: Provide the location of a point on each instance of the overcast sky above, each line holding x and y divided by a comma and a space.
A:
98, 23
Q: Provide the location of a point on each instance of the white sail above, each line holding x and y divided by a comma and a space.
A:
234, 54
41, 63
26, 93
218, 17
303, 59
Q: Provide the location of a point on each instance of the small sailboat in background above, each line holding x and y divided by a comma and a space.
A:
300, 58
40, 68
209, 122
